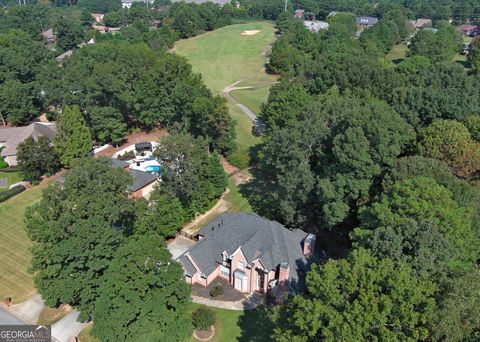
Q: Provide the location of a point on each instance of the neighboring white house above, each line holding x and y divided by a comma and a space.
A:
127, 3
315, 25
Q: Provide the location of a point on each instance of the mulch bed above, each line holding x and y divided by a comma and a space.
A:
204, 335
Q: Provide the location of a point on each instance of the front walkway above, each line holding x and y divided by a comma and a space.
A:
248, 303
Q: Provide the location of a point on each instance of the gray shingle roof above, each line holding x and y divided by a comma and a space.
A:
118, 164
259, 238
141, 179
187, 265
13, 136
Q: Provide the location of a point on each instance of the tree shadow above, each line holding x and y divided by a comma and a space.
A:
255, 325
260, 195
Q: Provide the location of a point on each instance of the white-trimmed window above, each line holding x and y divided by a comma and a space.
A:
224, 271
241, 265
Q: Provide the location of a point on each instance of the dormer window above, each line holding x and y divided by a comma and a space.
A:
241, 265
224, 256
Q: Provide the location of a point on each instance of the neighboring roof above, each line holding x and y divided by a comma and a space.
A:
141, 179
142, 145
434, 30
422, 22
259, 238
366, 20
13, 136
118, 164
218, 2
64, 55
316, 25
48, 34
468, 27
127, 1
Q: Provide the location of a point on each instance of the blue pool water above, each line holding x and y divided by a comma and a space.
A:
153, 168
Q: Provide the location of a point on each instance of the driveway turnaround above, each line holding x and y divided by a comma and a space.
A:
179, 245
30, 309
68, 327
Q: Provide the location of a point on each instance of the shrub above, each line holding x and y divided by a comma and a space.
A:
12, 192
216, 291
239, 158
127, 156
10, 169
203, 318
3, 163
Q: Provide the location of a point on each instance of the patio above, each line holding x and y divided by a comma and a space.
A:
229, 293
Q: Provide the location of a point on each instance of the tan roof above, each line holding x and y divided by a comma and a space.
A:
11, 137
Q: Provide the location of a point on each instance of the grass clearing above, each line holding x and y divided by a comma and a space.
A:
16, 282
225, 56
398, 53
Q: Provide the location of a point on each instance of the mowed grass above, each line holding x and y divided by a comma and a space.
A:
252, 98
398, 53
15, 281
12, 178
244, 326
225, 56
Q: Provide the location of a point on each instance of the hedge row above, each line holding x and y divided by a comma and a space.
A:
10, 169
12, 192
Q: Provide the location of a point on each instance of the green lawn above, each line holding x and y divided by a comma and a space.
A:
12, 178
398, 53
252, 98
15, 281
240, 325
236, 201
225, 56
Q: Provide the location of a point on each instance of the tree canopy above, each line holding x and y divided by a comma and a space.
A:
356, 299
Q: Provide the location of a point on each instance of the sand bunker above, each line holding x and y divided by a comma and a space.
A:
250, 32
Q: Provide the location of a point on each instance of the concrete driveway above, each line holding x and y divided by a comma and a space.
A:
68, 327
6, 318
179, 245
30, 309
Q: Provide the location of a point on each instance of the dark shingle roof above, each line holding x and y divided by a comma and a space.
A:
118, 164
259, 238
141, 179
187, 265
13, 136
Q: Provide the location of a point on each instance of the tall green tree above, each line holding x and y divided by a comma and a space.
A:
162, 215
144, 296
37, 158
76, 228
451, 142
360, 298
188, 172
419, 222
73, 139
69, 33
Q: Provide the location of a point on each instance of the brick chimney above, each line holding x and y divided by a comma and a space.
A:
309, 245
283, 273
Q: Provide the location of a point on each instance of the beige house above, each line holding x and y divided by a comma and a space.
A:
11, 137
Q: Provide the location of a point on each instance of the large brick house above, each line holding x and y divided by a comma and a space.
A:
252, 253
